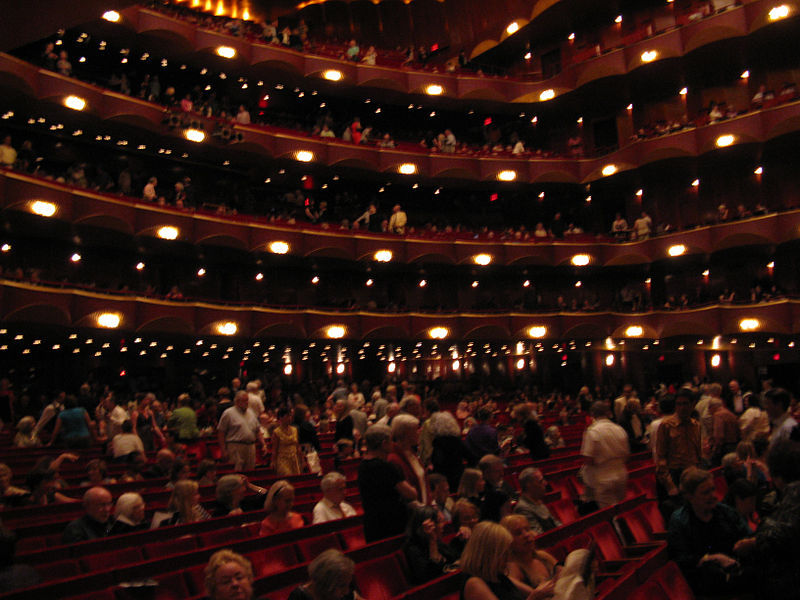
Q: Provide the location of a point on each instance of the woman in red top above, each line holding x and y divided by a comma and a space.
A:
278, 504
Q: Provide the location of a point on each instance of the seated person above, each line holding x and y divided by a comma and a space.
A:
533, 488
496, 505
229, 576
125, 443
484, 564
183, 506
10, 495
465, 517
471, 486
43, 485
206, 472
527, 565
440, 492
26, 436
98, 473
702, 534
426, 554
278, 505
331, 574
129, 513
332, 506
95, 522
741, 497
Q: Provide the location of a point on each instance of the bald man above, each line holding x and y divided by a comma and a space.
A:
96, 520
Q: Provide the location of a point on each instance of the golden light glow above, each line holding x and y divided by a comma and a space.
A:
725, 140
609, 360
676, 250
438, 333
758, 170
111, 16
335, 332
391, 367
649, 56
340, 368
482, 259
287, 369
42, 208
278, 247
779, 12
304, 155
332, 75
507, 175
434, 89
634, 331
684, 91
109, 320
407, 168
456, 365
581, 260
512, 28
168, 232
745, 74
383, 255
227, 328
520, 364
75, 102
194, 135
537, 331
696, 183
609, 170
716, 360
749, 324
547, 95
226, 51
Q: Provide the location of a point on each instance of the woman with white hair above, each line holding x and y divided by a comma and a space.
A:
332, 506
26, 436
278, 505
229, 576
129, 513
405, 437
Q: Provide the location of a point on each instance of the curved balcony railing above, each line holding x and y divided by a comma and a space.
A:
137, 218
584, 67
71, 307
754, 127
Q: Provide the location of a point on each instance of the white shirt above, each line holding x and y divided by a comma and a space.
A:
325, 510
255, 404
607, 444
115, 420
124, 443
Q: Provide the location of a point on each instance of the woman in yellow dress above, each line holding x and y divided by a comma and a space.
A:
287, 457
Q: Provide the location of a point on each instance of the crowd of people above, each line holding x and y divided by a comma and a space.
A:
444, 471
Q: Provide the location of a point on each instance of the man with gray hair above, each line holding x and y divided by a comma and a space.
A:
238, 431
332, 506
533, 488
254, 401
493, 468
605, 449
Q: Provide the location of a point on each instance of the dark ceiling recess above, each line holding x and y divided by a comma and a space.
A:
32, 20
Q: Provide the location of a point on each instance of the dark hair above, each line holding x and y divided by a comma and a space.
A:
779, 396
37, 477
492, 503
742, 488
204, 466
783, 459
70, 401
419, 515
685, 392
432, 406
127, 426
176, 469
282, 412
483, 414
667, 404
434, 479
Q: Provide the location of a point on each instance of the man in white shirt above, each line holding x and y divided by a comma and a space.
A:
253, 399
332, 506
621, 402
605, 449
126, 442
398, 220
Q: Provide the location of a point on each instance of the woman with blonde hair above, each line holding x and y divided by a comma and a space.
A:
485, 561
229, 576
471, 486
183, 507
527, 565
279, 508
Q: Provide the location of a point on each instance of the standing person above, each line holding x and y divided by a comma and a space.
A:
398, 220
74, 425
776, 405
481, 439
238, 431
184, 420
725, 430
287, 456
533, 438
677, 448
145, 424
405, 437
447, 455
384, 491
605, 449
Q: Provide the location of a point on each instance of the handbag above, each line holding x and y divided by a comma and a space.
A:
312, 460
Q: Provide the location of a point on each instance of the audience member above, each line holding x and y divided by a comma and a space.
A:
678, 447
129, 514
332, 506
533, 488
605, 448
278, 505
238, 431
426, 554
229, 576
528, 565
96, 520
331, 578
183, 506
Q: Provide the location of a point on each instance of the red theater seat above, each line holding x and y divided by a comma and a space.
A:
108, 560
273, 560
352, 538
673, 582
381, 578
310, 548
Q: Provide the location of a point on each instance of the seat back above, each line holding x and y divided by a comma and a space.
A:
223, 536
273, 560
58, 570
180, 545
381, 578
608, 544
565, 510
310, 548
352, 538
673, 582
107, 560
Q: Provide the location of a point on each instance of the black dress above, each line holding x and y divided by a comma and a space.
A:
385, 511
503, 588
534, 440
447, 458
